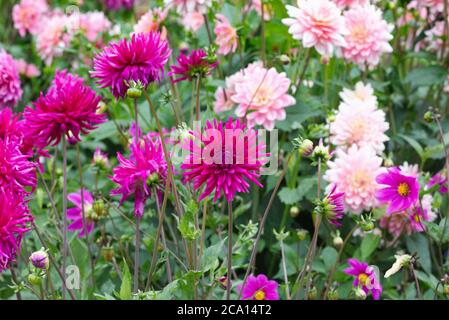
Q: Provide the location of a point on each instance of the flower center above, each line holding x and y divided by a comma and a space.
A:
417, 218
403, 189
364, 279
259, 295
359, 33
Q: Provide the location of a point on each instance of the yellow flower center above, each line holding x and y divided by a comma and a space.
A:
364, 279
259, 295
417, 218
359, 33
403, 189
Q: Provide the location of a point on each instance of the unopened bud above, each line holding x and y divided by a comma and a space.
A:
428, 116
284, 59
306, 148
337, 241
34, 279
134, 93
39, 259
302, 234
294, 211
107, 253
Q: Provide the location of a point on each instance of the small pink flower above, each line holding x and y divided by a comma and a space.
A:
318, 24
100, 159
257, 5
439, 179
259, 288
417, 217
368, 36
365, 277
354, 172
194, 65
226, 35
399, 190
27, 16
76, 214
151, 20
397, 223
27, 70
193, 20
262, 96
10, 89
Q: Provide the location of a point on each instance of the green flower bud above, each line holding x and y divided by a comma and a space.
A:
294, 211
34, 279
107, 253
134, 93
302, 234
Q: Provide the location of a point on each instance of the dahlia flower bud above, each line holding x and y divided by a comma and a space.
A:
304, 146
34, 279
333, 294
99, 209
359, 293
337, 241
312, 293
39, 259
100, 159
284, 59
281, 235
107, 253
321, 152
302, 234
223, 282
134, 89
428, 116
294, 211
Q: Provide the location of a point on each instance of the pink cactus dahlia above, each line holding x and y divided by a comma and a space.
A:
224, 159
140, 59
68, 108
76, 216
354, 172
14, 220
192, 66
317, 23
10, 90
150, 21
145, 170
27, 15
368, 36
226, 35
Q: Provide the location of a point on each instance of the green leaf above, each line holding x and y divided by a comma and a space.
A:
369, 244
289, 195
186, 224
419, 243
427, 76
209, 260
329, 256
125, 288
414, 144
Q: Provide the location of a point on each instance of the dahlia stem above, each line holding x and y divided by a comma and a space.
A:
138, 218
14, 279
229, 273
263, 221
86, 234
64, 214
164, 241
298, 81
284, 269
209, 33
262, 34
418, 290
198, 107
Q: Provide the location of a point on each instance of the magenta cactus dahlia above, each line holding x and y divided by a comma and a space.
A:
194, 65
76, 214
14, 219
10, 89
68, 108
145, 169
224, 158
140, 59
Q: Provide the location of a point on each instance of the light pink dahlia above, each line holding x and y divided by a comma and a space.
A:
349, 3
10, 90
140, 59
434, 5
363, 94
92, 24
17, 173
14, 220
226, 35
151, 20
53, 38
262, 97
359, 124
368, 36
223, 101
193, 20
257, 5
397, 223
354, 172
317, 23
141, 174
68, 108
27, 15
224, 158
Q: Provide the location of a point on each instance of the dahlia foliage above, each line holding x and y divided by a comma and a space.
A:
232, 149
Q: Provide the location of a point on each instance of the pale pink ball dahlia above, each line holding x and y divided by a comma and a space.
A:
10, 90
354, 172
226, 35
262, 96
317, 23
54, 36
359, 124
368, 36
27, 15
349, 3
151, 20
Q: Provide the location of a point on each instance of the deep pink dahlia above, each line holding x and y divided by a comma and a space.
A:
68, 108
259, 288
145, 170
10, 90
17, 173
76, 216
192, 66
14, 219
440, 180
115, 5
365, 277
224, 158
400, 191
334, 206
140, 59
